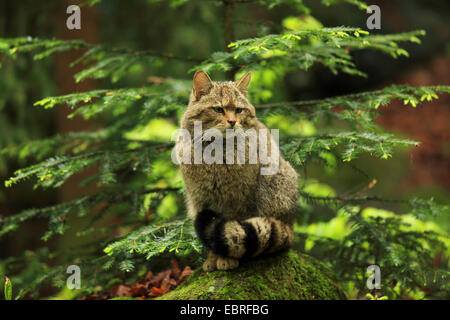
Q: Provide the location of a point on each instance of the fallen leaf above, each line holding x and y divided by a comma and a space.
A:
156, 281
155, 292
138, 290
120, 291
148, 276
187, 271
175, 269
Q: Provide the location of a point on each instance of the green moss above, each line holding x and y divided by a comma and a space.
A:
285, 276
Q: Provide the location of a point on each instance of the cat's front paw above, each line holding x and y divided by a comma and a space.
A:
225, 263
210, 263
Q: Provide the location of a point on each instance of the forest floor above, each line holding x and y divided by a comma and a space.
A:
150, 286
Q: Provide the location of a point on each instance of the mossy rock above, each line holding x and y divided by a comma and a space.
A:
284, 276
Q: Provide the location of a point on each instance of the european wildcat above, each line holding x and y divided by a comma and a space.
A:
237, 212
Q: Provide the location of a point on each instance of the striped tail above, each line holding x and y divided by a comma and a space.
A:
242, 239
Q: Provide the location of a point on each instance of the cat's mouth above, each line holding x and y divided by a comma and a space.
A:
229, 127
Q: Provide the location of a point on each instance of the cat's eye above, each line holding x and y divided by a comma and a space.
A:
238, 110
219, 110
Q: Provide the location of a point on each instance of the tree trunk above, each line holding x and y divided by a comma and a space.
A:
283, 276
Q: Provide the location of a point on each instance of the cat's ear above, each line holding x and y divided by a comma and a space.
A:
202, 84
242, 83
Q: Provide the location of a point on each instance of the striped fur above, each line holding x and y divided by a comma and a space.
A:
242, 239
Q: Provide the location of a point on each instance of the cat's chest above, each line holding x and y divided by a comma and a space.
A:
221, 177
221, 186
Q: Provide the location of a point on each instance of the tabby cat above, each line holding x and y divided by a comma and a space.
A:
237, 211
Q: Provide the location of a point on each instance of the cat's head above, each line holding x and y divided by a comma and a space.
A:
219, 105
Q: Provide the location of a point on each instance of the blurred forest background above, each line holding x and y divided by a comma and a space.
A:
193, 30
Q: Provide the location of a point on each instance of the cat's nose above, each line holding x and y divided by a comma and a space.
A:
232, 122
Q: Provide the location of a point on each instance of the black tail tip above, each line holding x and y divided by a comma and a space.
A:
208, 212
205, 217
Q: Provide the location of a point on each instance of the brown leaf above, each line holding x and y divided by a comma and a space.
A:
92, 297
156, 281
120, 291
148, 276
175, 269
138, 290
165, 284
187, 271
155, 292
173, 283
149, 286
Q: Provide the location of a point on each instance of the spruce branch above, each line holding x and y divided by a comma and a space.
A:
420, 208
54, 171
381, 97
178, 236
107, 62
60, 211
294, 49
299, 150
